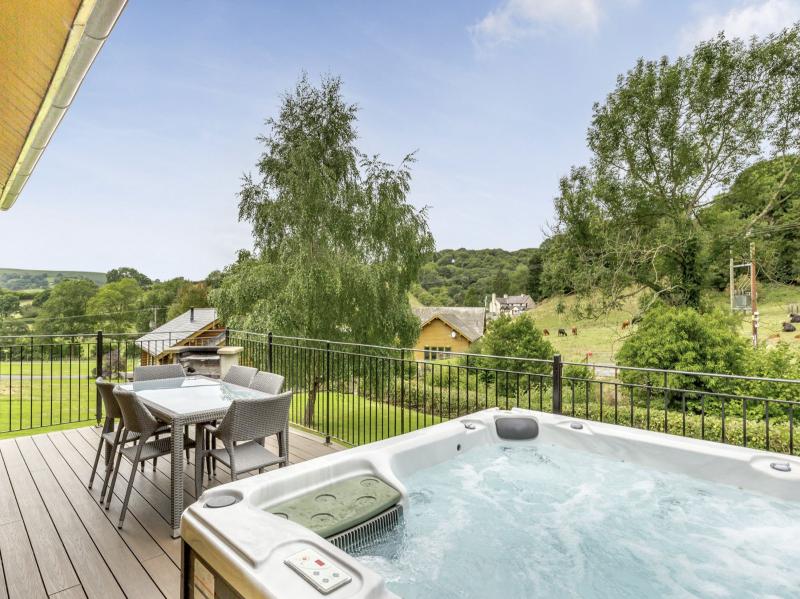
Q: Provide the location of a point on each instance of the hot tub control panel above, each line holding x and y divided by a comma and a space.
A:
317, 570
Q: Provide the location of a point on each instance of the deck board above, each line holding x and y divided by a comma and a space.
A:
57, 541
54, 564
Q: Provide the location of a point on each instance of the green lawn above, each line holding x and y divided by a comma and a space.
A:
355, 420
40, 404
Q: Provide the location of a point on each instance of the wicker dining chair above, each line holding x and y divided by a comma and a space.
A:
112, 433
268, 382
240, 375
137, 419
157, 372
247, 422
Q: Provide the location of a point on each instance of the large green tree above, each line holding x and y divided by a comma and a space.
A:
9, 304
670, 135
190, 295
65, 310
337, 244
156, 301
116, 305
517, 337
126, 272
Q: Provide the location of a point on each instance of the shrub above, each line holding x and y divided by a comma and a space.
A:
515, 338
779, 362
676, 338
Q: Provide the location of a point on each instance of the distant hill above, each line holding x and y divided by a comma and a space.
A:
17, 279
464, 277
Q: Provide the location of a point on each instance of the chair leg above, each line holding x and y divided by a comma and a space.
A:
186, 435
110, 465
155, 459
141, 442
100, 446
114, 479
207, 456
213, 459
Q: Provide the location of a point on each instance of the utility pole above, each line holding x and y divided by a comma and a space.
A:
753, 293
730, 253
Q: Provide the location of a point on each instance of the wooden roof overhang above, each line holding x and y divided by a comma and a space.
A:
46, 49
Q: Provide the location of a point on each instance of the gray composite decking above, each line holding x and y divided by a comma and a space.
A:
57, 541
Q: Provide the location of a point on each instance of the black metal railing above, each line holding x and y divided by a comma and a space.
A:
358, 393
48, 380
361, 393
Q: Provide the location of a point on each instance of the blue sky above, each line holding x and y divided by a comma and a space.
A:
494, 96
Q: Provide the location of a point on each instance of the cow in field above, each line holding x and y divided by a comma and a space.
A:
545, 332
794, 318
625, 324
574, 330
562, 332
789, 328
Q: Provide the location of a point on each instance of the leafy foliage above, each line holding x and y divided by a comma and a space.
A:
116, 302
190, 295
65, 310
682, 338
764, 200
465, 277
9, 304
337, 244
17, 279
126, 272
516, 338
665, 139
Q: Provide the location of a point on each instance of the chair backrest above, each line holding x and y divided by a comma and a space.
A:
249, 419
107, 395
267, 382
159, 371
240, 375
135, 416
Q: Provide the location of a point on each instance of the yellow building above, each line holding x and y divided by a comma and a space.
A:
445, 329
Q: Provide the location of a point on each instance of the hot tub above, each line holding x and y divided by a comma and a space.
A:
505, 504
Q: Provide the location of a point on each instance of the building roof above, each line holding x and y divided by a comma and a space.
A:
46, 51
470, 322
176, 330
515, 299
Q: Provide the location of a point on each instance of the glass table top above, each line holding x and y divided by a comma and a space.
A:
191, 394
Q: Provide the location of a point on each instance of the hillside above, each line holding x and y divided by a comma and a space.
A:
602, 337
464, 277
17, 279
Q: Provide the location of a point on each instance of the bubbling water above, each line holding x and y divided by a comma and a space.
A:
547, 521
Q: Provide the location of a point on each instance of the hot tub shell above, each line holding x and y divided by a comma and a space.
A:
246, 545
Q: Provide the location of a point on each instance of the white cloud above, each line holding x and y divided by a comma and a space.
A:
516, 19
753, 17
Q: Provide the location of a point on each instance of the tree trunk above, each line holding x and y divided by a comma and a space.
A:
311, 402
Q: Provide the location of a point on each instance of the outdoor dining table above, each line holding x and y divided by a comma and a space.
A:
180, 402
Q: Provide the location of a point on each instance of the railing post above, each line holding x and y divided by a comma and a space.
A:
98, 411
227, 336
269, 351
557, 369
327, 392
403, 391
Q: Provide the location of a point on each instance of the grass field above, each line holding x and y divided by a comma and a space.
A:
355, 420
44, 405
602, 337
